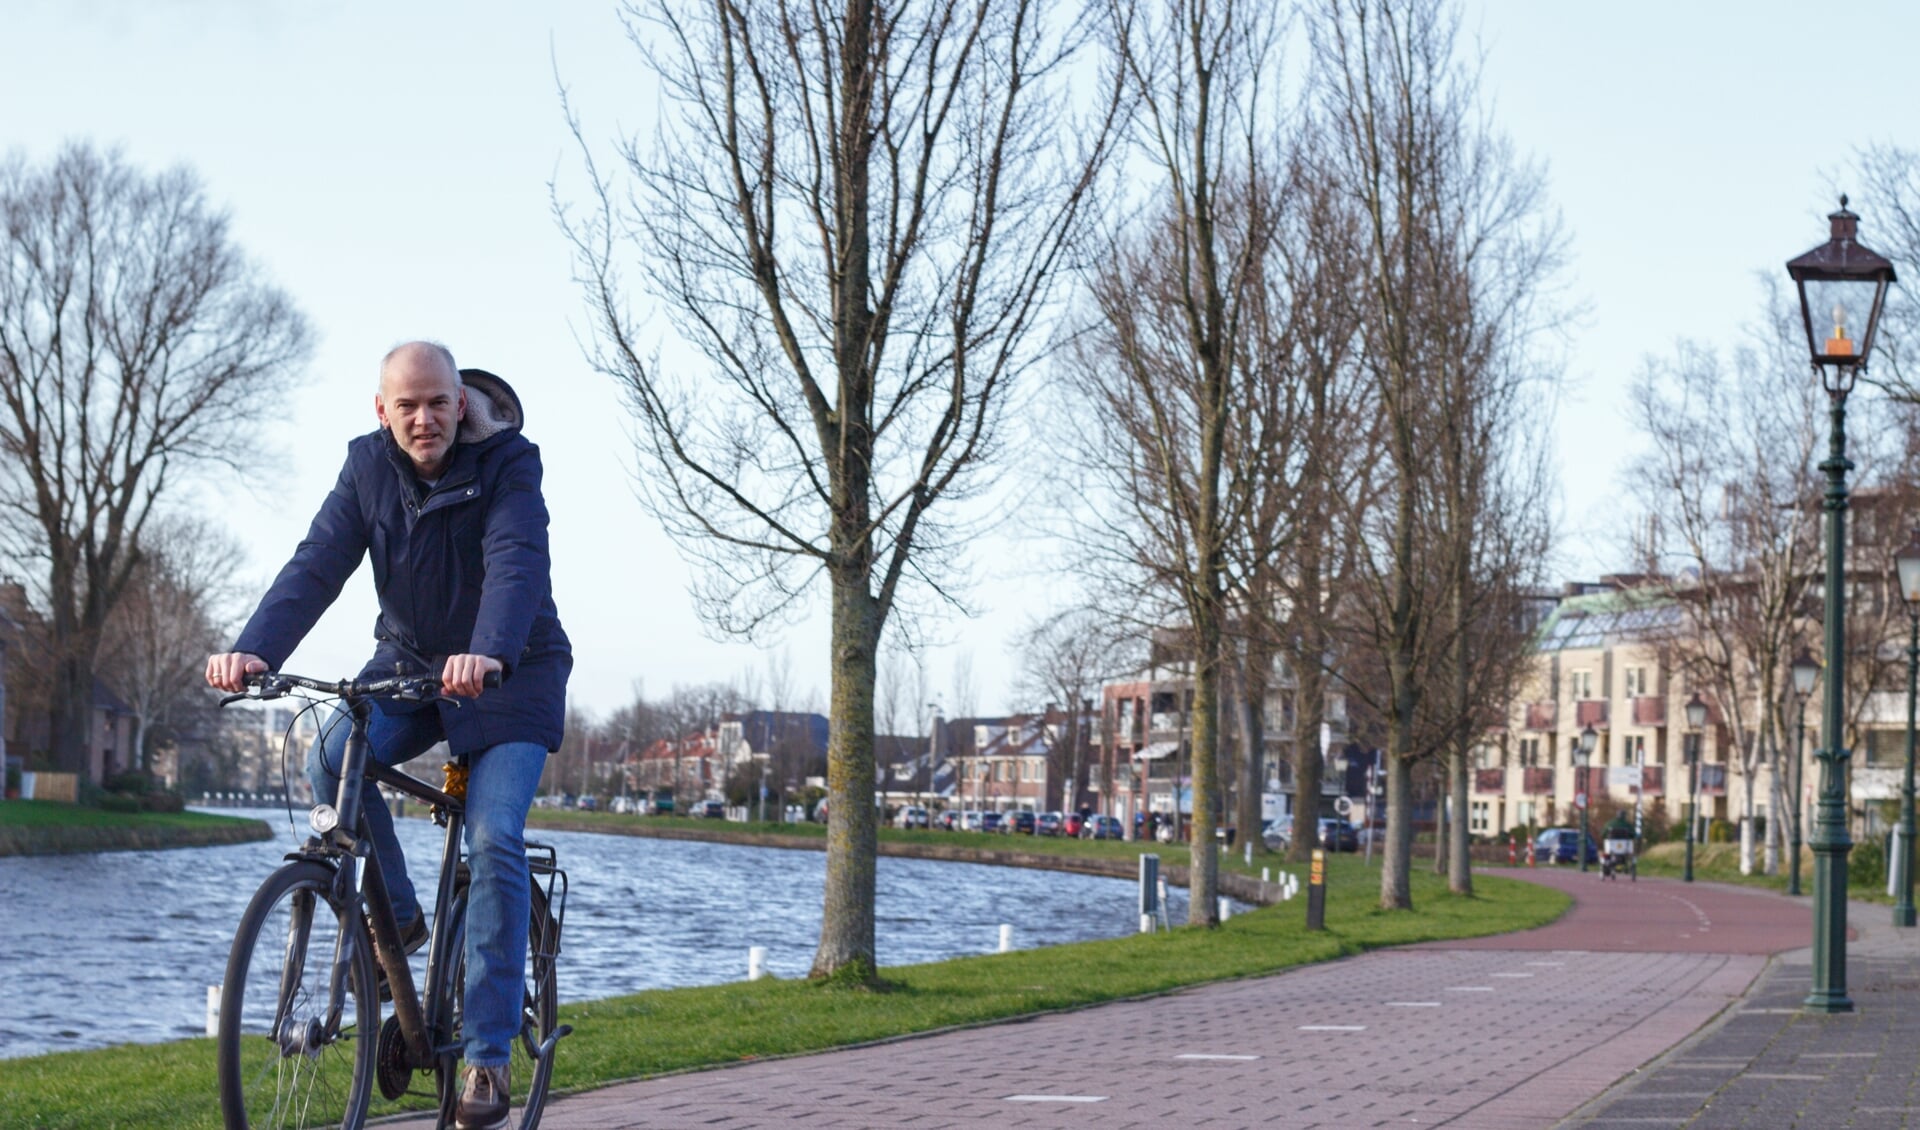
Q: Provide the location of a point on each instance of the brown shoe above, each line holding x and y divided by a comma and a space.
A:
483, 1100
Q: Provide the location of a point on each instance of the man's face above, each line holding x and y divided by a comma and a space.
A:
421, 402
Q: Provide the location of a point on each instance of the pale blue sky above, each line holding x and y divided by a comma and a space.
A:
388, 164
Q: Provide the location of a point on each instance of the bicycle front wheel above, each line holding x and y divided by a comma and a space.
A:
299, 1009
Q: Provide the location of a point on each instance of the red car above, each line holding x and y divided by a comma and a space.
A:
1071, 824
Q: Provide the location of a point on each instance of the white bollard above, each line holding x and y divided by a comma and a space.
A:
1146, 923
1225, 906
213, 1010
756, 962
1249, 853
1006, 937
1266, 874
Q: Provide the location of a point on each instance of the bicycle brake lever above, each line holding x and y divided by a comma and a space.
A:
234, 698
454, 702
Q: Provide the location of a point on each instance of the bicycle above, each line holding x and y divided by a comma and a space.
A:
300, 1040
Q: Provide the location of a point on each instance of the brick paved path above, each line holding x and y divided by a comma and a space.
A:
1518, 1031
1766, 1065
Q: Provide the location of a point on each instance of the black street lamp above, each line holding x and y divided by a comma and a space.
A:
1805, 670
1840, 278
1907, 564
1696, 718
1588, 739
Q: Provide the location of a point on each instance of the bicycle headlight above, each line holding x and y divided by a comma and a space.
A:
323, 819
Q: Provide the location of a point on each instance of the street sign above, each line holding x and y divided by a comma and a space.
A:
1580, 800
1343, 806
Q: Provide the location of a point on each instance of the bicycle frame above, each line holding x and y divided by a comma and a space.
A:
364, 883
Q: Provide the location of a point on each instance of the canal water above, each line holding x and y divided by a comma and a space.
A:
120, 947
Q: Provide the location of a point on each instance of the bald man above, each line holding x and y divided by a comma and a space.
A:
446, 498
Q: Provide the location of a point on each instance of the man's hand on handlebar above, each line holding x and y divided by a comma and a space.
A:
465, 675
229, 671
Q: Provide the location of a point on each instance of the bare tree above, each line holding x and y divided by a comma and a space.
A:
857, 224
1455, 250
1063, 659
137, 347
177, 609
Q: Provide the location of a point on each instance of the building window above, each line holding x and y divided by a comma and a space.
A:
1529, 752
1886, 747
1582, 684
1636, 681
1480, 817
1633, 750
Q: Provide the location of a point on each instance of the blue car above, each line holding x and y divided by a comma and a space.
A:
1558, 845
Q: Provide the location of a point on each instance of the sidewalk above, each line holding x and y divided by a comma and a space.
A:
1766, 1064
1520, 1031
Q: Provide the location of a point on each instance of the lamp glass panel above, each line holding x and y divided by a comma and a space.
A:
1908, 562
1696, 714
1837, 310
1804, 673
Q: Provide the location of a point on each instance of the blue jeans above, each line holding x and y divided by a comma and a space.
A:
500, 790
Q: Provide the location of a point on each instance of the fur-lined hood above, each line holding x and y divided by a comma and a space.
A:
492, 407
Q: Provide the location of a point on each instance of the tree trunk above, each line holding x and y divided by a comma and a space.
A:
1309, 714
1396, 891
847, 921
1460, 829
1253, 696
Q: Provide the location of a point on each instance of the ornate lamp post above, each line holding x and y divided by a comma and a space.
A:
1584, 755
1907, 563
1696, 718
1842, 284
1805, 670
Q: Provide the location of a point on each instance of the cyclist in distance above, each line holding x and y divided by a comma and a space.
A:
446, 497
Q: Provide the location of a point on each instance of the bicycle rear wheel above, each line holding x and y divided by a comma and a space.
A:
529, 1072
292, 1053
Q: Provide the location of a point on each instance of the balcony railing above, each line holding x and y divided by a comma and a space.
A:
1591, 712
1541, 715
1169, 722
1537, 781
1490, 781
1649, 710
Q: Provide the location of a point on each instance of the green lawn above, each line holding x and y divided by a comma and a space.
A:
53, 814
1720, 863
171, 1085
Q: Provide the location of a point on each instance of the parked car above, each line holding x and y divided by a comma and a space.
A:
1559, 845
970, 820
990, 821
1102, 828
589, 803
1072, 823
709, 809
1048, 824
1335, 834
1018, 823
948, 821
913, 817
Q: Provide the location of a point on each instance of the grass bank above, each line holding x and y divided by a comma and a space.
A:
40, 827
650, 1033
1720, 863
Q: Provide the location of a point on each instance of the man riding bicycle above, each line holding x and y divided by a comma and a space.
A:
446, 496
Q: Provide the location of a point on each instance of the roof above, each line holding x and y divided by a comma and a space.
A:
1591, 620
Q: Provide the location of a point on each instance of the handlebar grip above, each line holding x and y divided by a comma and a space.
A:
490, 680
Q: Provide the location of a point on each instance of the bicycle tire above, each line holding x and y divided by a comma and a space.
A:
279, 1066
539, 1011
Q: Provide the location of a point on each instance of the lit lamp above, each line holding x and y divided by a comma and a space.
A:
1696, 719
1907, 564
1842, 286
1806, 669
1588, 739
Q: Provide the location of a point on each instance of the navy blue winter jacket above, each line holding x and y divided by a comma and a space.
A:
462, 568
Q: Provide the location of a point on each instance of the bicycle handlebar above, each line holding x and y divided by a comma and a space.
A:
410, 688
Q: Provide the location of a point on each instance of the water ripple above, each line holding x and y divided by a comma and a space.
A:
121, 946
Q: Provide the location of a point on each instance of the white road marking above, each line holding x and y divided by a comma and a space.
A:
1056, 1098
1513, 974
1333, 1027
1546, 963
1413, 1004
1201, 1055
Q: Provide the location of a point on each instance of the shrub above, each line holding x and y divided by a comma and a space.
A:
163, 802
133, 781
1867, 865
118, 802
1719, 832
